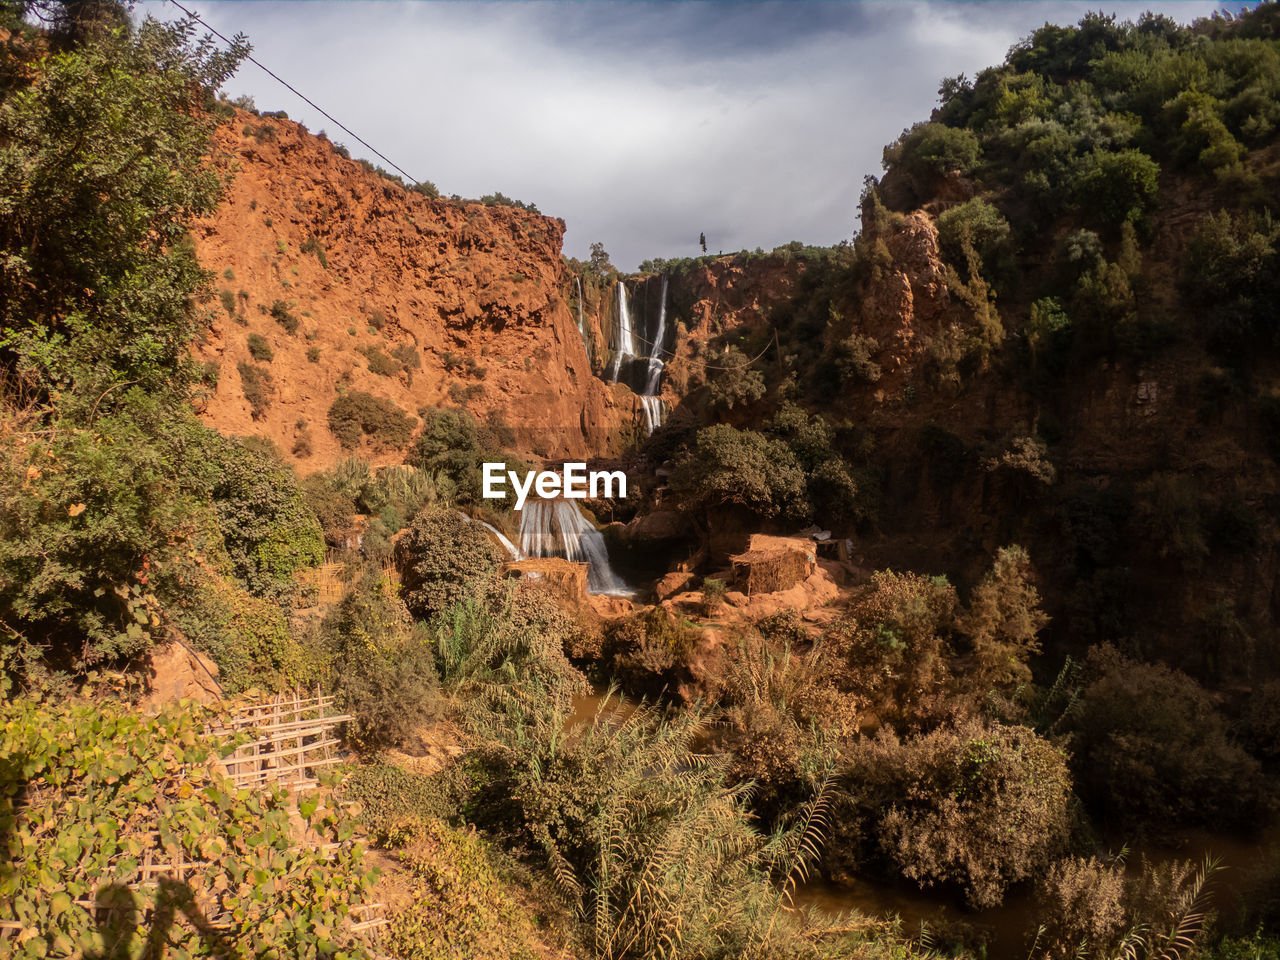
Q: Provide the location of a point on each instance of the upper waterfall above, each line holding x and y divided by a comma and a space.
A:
626, 339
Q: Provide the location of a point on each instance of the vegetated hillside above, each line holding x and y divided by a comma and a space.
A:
1058, 327
331, 279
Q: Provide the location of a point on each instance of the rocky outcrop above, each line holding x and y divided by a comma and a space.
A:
176, 672
355, 284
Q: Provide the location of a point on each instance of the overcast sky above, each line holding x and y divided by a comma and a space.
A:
640, 124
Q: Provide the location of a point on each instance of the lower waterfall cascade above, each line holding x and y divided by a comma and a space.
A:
558, 528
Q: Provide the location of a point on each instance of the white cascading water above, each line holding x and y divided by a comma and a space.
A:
626, 342
651, 407
651, 400
510, 547
558, 528
653, 380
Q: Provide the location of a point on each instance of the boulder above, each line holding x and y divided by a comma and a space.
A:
177, 672
656, 526
672, 584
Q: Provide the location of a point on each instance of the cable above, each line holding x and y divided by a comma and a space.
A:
307, 100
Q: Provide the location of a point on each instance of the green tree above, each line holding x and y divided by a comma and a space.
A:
730, 467
105, 157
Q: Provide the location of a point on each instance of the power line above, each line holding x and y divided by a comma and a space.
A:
296, 92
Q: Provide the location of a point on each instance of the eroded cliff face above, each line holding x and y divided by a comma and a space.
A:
420, 301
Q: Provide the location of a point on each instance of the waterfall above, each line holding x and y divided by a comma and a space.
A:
581, 328
651, 399
651, 407
558, 528
653, 379
510, 547
626, 342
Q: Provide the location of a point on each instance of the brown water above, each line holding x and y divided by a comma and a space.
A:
1009, 929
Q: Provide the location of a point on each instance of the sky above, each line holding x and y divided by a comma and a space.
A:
640, 124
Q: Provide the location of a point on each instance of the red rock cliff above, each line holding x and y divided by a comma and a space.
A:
416, 300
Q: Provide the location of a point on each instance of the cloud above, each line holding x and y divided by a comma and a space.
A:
640, 124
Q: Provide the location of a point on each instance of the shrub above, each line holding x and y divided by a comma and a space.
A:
258, 388
497, 199
426, 188
332, 506
507, 638
1120, 186
228, 301
384, 670
855, 357
650, 651
893, 642
441, 559
1229, 274
268, 530
89, 520
313, 354
943, 806
981, 225
456, 905
246, 636
313, 245
735, 381
931, 150
394, 800
356, 414
379, 363
259, 349
1149, 747
280, 313
726, 466
1002, 622
454, 444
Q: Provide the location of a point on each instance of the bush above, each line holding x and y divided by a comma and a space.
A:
981, 225
313, 245
395, 800
89, 522
1229, 275
929, 151
384, 670
1150, 747
1119, 186
246, 636
980, 807
650, 651
456, 905
313, 354
379, 363
269, 531
258, 388
893, 642
730, 467
259, 349
735, 381
508, 642
441, 559
1002, 622
454, 444
280, 313
356, 414
855, 357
